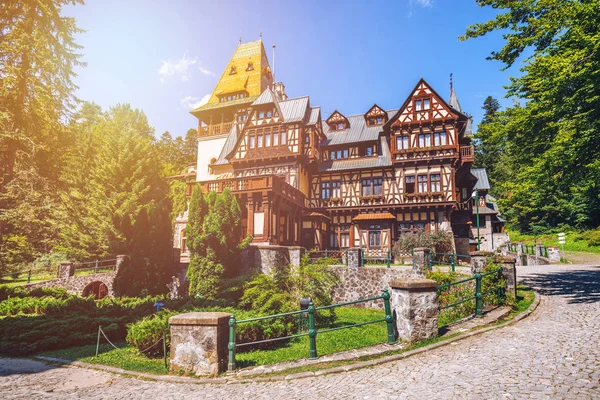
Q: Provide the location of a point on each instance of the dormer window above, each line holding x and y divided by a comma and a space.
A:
337, 122
340, 126
261, 114
233, 70
250, 66
379, 120
269, 114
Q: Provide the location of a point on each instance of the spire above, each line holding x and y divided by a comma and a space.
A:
453, 99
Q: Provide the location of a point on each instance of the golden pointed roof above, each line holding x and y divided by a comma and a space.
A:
247, 71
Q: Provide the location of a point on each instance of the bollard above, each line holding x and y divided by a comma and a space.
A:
452, 261
231, 345
312, 331
389, 318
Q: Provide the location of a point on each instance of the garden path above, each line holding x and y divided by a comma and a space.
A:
554, 354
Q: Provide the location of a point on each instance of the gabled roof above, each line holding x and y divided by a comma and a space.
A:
482, 179
266, 97
358, 131
313, 117
336, 115
228, 147
375, 106
384, 160
293, 110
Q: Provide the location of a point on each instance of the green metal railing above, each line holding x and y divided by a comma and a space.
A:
527, 249
448, 259
312, 332
479, 294
368, 255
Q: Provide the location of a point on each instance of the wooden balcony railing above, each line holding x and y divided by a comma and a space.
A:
467, 153
216, 129
251, 184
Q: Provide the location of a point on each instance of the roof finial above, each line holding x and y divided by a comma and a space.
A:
273, 63
240, 40
261, 35
450, 81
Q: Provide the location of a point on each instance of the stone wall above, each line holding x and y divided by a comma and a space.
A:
76, 284
266, 258
364, 282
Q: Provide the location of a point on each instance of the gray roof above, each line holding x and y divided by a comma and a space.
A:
293, 110
266, 97
454, 100
314, 115
482, 179
384, 160
357, 132
469, 127
228, 147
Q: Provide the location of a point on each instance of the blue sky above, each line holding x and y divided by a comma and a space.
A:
165, 56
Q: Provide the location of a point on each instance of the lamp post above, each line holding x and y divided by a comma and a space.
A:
477, 208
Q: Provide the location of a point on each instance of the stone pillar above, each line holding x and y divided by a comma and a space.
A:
509, 272
354, 257
539, 250
121, 259
421, 257
66, 270
478, 261
199, 342
554, 254
415, 308
295, 254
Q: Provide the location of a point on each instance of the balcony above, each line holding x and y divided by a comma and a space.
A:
254, 184
467, 154
215, 129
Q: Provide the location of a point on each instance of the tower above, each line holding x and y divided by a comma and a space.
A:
245, 77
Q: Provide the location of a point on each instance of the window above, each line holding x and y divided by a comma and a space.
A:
426, 104
228, 98
333, 240
402, 142
269, 114
378, 187
346, 153
267, 140
422, 182
369, 151
283, 137
379, 120
340, 126
465, 194
250, 66
336, 189
418, 105
339, 154
241, 95
259, 141
409, 184
332, 155
439, 139
435, 182
345, 240
307, 139
252, 141
425, 140
325, 191
374, 238
419, 226
275, 139
367, 189
184, 248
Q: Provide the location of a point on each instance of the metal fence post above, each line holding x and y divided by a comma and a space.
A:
98, 341
452, 261
312, 331
29, 276
478, 295
389, 255
389, 319
430, 260
96, 267
231, 345
326, 253
165, 348
346, 257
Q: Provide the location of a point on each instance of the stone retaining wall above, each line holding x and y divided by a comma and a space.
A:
76, 284
364, 282
266, 258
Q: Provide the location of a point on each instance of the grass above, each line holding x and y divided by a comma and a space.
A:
125, 357
574, 241
328, 342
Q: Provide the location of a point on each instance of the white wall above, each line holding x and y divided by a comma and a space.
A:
208, 148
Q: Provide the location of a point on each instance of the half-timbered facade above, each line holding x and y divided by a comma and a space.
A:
334, 181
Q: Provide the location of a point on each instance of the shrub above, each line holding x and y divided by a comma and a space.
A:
441, 241
594, 238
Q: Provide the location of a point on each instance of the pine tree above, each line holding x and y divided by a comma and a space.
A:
37, 58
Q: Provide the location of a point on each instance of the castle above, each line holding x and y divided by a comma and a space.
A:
333, 181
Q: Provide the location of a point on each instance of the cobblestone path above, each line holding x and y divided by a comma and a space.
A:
555, 353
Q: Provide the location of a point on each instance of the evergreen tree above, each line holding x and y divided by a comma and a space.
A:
37, 58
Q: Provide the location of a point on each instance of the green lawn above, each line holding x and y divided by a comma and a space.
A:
574, 242
125, 357
328, 342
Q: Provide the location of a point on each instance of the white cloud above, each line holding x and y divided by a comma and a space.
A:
422, 3
205, 71
191, 102
179, 67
